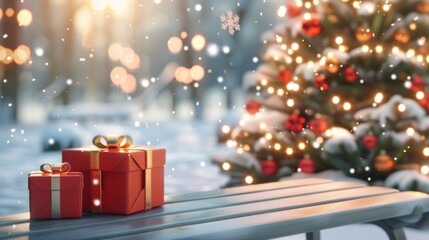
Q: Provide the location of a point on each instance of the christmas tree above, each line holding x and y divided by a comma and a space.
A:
342, 86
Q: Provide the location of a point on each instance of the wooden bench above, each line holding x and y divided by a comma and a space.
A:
250, 212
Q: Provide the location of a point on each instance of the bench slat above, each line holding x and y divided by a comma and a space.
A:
220, 214
148, 219
245, 189
290, 222
181, 207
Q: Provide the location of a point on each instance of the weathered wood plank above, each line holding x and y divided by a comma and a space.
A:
295, 221
245, 189
38, 227
220, 214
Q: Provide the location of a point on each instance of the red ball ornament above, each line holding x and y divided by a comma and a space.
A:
312, 27
417, 84
370, 141
318, 125
293, 9
252, 107
285, 76
307, 165
321, 82
350, 74
269, 167
295, 123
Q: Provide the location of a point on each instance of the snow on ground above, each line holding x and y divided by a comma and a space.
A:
188, 168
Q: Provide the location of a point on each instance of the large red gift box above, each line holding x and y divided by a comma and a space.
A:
55, 192
119, 179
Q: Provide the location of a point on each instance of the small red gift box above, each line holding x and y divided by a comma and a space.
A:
119, 178
55, 192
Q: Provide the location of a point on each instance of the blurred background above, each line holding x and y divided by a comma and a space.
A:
148, 59
162, 71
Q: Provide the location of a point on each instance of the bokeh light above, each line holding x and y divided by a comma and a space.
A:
99, 5
129, 85
174, 45
9, 12
197, 72
183, 75
21, 54
117, 5
24, 17
129, 58
115, 51
198, 42
118, 75
1, 13
6, 55
183, 35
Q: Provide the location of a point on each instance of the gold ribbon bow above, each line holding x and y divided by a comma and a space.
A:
112, 142
55, 170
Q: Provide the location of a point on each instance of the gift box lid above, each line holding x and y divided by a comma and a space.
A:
42, 181
115, 159
131, 159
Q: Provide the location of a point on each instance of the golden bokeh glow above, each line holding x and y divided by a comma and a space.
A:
175, 45
183, 75
24, 17
198, 42
129, 85
9, 12
21, 54
197, 72
118, 75
115, 51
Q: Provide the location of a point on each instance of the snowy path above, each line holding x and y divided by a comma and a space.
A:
188, 168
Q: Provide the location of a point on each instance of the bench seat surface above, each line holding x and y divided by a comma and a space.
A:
256, 211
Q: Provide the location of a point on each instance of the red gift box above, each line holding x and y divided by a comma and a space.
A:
119, 178
55, 192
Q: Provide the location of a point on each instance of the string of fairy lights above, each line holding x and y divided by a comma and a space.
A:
330, 70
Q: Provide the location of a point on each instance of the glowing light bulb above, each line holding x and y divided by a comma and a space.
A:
290, 103
402, 108
277, 146
226, 129
268, 136
282, 11
335, 100
379, 49
347, 106
424, 169
301, 146
426, 151
339, 40
248, 179
410, 131
289, 151
420, 95
226, 166
295, 46
378, 98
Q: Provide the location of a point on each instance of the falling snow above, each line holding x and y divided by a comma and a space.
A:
230, 21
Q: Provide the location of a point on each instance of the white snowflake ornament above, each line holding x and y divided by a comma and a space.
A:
230, 21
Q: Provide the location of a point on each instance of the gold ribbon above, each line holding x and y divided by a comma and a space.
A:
55, 170
112, 142
148, 179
